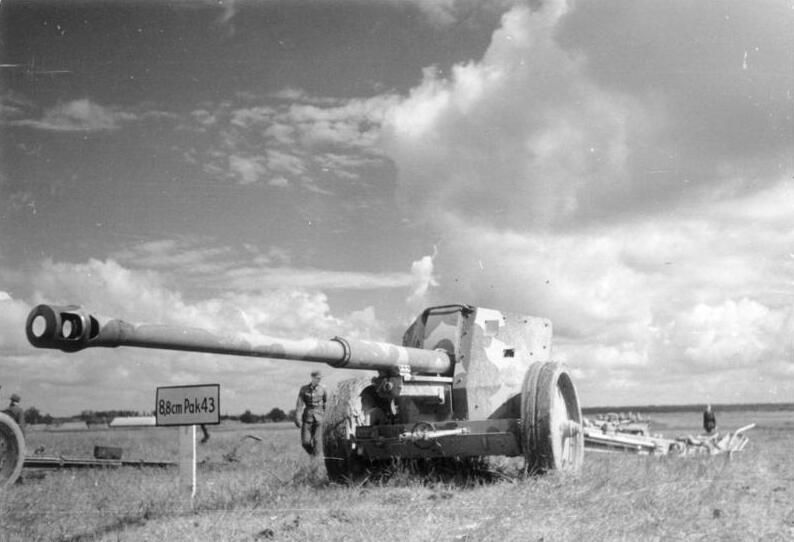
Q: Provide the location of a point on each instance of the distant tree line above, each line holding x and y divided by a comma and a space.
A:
100, 417
106, 416
722, 407
275, 415
34, 416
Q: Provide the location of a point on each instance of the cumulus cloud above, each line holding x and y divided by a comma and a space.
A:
521, 122
13, 313
700, 293
422, 280
732, 333
562, 186
548, 118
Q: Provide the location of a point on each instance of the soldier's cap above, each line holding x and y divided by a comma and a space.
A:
317, 374
15, 397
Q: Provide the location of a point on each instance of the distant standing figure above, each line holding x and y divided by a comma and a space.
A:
206, 433
309, 413
16, 412
709, 420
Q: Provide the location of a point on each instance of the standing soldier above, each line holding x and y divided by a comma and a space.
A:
709, 420
309, 413
15, 411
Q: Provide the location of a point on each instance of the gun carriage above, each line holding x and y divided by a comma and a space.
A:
466, 382
12, 450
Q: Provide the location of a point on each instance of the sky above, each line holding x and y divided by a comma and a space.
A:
312, 168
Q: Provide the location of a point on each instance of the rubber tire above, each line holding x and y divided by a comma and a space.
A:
548, 402
12, 450
347, 409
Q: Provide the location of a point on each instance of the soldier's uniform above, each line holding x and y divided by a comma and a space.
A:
16, 412
311, 400
709, 420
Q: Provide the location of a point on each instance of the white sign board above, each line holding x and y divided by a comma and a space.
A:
188, 405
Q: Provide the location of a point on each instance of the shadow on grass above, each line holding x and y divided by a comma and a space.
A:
449, 471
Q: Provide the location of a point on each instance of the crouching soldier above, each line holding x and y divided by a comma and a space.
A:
309, 413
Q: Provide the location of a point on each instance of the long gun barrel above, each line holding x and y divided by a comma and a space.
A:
71, 329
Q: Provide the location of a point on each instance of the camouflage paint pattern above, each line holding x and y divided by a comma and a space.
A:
495, 355
492, 350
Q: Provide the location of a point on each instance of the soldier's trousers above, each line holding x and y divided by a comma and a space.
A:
311, 435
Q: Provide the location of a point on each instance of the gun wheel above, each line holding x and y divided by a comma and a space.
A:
551, 420
350, 406
12, 451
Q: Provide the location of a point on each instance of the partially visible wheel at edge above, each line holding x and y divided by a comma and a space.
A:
12, 451
551, 419
348, 408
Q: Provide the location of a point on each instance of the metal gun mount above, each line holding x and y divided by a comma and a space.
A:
468, 380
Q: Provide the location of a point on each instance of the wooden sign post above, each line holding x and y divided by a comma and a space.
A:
187, 407
187, 460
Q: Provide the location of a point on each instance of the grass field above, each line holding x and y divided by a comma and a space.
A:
270, 490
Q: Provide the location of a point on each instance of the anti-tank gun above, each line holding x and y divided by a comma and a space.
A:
467, 382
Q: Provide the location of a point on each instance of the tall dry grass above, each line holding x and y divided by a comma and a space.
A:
270, 490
